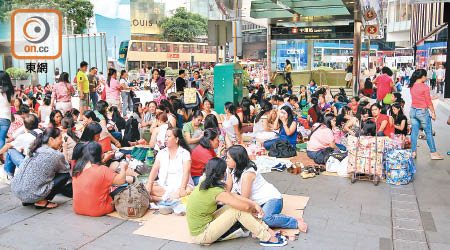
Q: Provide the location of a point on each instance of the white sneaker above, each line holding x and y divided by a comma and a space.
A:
4, 177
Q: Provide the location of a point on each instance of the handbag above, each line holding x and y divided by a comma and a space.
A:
190, 96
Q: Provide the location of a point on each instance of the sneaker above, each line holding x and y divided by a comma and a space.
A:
5, 177
279, 167
281, 242
280, 236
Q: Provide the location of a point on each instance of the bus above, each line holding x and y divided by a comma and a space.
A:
176, 55
438, 56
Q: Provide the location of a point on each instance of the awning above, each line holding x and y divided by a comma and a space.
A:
427, 19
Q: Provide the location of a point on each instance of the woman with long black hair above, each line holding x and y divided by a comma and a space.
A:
262, 129
62, 93
321, 141
287, 125
112, 89
207, 223
173, 168
243, 179
6, 98
232, 123
421, 107
43, 173
398, 119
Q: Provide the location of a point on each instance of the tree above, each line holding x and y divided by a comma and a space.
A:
76, 10
183, 26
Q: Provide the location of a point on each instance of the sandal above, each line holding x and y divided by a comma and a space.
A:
436, 157
47, 203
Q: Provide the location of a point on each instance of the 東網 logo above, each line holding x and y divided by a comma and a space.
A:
36, 34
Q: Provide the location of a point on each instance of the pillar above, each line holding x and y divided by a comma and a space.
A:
357, 48
310, 54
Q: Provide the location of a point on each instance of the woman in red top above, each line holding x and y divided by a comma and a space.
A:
204, 152
384, 127
384, 83
91, 182
421, 106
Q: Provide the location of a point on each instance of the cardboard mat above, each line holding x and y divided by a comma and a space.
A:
174, 227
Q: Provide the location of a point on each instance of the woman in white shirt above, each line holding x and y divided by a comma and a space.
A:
242, 178
158, 131
173, 168
231, 123
127, 101
262, 128
6, 95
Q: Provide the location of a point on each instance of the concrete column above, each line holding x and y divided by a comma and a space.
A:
357, 47
269, 52
310, 54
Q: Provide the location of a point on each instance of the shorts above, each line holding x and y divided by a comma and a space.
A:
63, 106
113, 102
84, 102
348, 77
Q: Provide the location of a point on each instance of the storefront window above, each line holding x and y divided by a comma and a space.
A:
133, 65
296, 51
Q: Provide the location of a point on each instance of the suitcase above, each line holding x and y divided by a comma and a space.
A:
400, 167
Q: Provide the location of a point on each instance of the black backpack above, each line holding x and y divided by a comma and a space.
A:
282, 149
131, 131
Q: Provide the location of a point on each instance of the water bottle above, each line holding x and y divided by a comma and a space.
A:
149, 158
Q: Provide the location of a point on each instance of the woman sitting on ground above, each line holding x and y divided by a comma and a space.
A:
207, 224
288, 128
173, 168
101, 113
70, 137
384, 126
137, 112
262, 129
204, 152
398, 119
232, 123
244, 113
207, 109
157, 140
321, 141
314, 112
55, 119
193, 130
211, 122
43, 173
243, 179
117, 118
92, 182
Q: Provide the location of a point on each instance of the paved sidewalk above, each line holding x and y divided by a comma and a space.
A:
340, 215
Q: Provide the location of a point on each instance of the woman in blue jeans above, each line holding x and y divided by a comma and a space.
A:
6, 95
287, 126
421, 106
242, 178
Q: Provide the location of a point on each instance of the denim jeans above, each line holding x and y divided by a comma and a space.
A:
4, 126
118, 136
341, 147
127, 102
195, 179
421, 117
273, 217
13, 159
94, 98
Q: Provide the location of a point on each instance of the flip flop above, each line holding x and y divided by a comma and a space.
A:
435, 157
46, 205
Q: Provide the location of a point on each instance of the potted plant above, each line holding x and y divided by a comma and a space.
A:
19, 76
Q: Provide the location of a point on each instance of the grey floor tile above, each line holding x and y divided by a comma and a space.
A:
410, 245
406, 224
410, 235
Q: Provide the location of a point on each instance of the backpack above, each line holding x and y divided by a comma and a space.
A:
282, 149
131, 201
131, 131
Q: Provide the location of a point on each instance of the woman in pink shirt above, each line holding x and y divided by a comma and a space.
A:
321, 141
384, 83
419, 114
62, 93
113, 88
